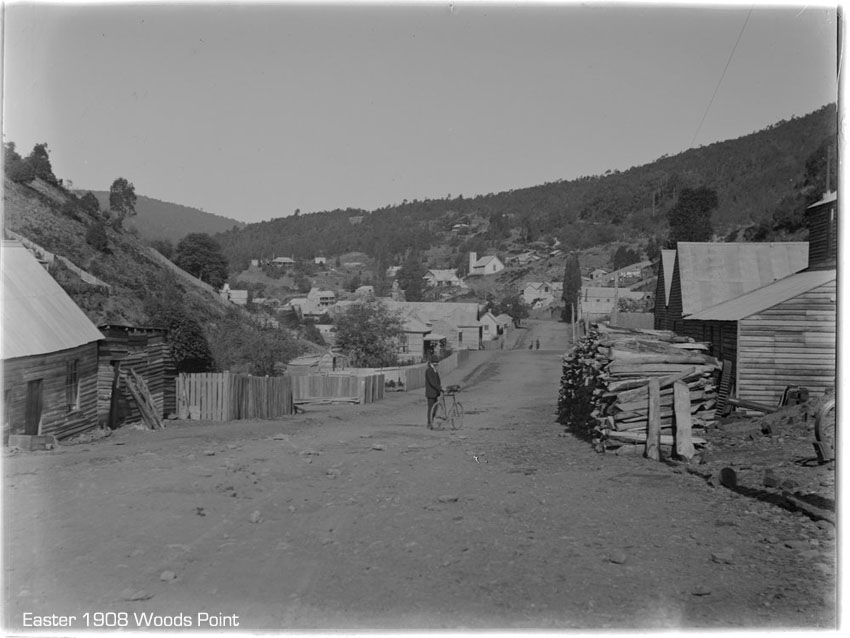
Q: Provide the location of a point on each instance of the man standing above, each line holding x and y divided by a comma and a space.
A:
433, 387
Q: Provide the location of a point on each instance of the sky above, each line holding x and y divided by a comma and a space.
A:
252, 111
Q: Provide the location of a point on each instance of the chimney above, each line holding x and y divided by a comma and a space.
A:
473, 257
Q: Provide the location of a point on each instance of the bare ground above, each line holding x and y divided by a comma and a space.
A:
358, 517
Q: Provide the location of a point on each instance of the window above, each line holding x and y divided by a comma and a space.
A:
459, 338
72, 385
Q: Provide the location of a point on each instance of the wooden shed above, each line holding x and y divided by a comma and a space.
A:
706, 274
49, 352
779, 335
144, 350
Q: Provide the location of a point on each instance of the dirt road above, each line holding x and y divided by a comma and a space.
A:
358, 517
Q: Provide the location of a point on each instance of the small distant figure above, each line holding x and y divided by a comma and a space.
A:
531, 346
502, 343
433, 386
537, 344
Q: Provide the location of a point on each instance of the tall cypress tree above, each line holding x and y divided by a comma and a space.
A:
572, 286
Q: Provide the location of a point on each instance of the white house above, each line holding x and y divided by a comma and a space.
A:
490, 325
539, 294
392, 271
320, 260
439, 278
487, 265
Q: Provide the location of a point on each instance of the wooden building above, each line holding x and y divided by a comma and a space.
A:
822, 221
663, 284
779, 335
706, 274
49, 352
782, 333
145, 351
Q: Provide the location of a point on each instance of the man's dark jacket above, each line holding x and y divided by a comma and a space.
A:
432, 383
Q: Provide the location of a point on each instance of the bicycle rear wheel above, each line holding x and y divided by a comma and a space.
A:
438, 416
456, 416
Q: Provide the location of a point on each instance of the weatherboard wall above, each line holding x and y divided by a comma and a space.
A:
791, 343
53, 393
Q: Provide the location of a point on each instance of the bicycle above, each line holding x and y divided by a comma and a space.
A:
441, 414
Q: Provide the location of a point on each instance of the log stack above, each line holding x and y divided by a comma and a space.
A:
619, 384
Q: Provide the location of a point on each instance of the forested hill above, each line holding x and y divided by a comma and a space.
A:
155, 219
763, 180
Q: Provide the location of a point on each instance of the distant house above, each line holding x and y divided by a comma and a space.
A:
320, 260
255, 263
283, 262
457, 322
706, 274
506, 322
355, 219
49, 352
392, 271
364, 291
596, 273
596, 303
316, 303
491, 328
443, 278
487, 265
238, 297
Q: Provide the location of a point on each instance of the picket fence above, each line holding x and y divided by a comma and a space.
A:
225, 396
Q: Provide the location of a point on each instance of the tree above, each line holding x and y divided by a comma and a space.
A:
122, 199
513, 305
240, 346
190, 350
16, 168
623, 257
368, 332
90, 205
410, 278
96, 236
164, 247
572, 286
690, 217
201, 256
39, 160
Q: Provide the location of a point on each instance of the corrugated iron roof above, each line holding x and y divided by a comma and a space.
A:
668, 263
828, 198
38, 316
766, 296
712, 273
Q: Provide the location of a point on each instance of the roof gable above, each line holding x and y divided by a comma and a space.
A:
38, 315
711, 273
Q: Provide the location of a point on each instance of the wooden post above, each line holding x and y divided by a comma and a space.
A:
682, 406
653, 427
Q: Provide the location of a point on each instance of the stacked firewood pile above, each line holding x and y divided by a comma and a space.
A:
622, 388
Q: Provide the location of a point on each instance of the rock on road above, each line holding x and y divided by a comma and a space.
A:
358, 517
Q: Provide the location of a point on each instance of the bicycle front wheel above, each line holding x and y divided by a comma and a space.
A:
456, 416
438, 416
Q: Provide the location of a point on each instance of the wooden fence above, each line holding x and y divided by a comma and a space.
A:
338, 387
224, 396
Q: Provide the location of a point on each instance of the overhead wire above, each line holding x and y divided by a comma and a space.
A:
723, 74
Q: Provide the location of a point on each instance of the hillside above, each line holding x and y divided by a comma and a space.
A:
156, 219
763, 182
145, 291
